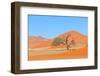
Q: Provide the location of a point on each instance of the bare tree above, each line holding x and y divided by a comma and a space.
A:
68, 43
57, 41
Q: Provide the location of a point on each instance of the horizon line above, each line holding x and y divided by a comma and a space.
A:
58, 35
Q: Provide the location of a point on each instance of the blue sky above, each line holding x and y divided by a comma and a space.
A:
52, 26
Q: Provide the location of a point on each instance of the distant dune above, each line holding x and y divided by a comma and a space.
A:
36, 41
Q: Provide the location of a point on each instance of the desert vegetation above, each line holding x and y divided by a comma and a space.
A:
66, 41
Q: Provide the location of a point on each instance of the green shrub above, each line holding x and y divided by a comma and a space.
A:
57, 41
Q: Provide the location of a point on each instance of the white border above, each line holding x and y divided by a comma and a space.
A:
25, 64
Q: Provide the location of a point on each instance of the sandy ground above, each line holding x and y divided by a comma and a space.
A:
57, 53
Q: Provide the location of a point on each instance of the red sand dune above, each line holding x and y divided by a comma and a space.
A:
76, 36
42, 44
38, 42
